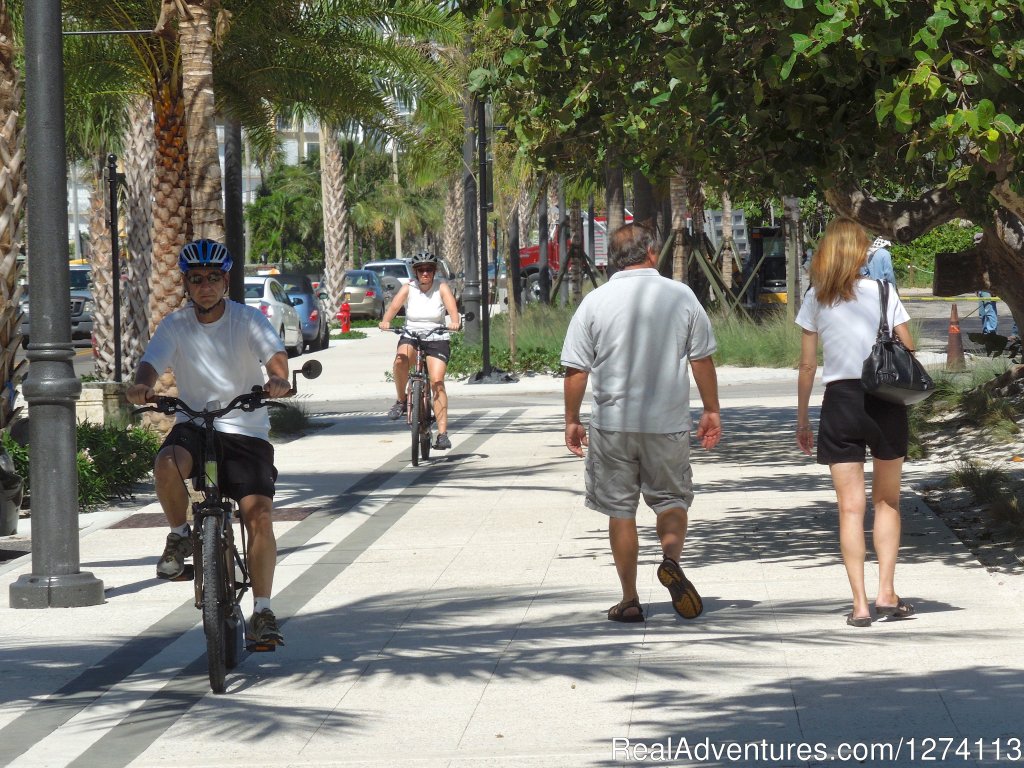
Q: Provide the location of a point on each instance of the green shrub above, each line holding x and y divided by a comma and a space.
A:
540, 331
771, 341
918, 257
111, 460
288, 420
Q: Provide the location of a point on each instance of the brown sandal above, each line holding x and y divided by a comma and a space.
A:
685, 599
618, 612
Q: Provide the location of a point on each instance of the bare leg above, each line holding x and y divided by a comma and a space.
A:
436, 370
848, 480
172, 466
625, 545
672, 532
401, 369
885, 495
256, 516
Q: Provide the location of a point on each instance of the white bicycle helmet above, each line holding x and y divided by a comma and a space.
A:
423, 257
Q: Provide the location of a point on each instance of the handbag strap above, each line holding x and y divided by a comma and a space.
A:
883, 319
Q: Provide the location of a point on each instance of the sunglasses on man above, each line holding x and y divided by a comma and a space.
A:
213, 277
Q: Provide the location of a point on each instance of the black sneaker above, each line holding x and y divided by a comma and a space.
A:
442, 443
172, 562
263, 628
397, 410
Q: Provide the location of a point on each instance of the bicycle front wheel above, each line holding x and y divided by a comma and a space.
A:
415, 405
425, 418
214, 601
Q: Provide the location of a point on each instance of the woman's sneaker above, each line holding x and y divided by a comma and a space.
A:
397, 410
172, 562
442, 443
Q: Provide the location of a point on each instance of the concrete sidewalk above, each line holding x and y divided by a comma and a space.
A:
453, 614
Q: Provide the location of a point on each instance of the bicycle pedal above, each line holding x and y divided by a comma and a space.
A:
261, 647
188, 573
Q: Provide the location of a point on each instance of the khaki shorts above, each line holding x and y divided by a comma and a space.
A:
622, 465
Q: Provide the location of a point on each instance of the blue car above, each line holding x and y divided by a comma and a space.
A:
315, 325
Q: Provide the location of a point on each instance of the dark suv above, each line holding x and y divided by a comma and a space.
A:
82, 305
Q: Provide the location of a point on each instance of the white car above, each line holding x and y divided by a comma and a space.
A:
269, 296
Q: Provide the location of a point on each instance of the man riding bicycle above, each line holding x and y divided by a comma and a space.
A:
426, 301
218, 349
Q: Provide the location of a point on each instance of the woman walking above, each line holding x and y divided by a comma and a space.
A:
842, 310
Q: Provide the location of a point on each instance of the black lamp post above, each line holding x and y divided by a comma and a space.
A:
51, 388
486, 192
114, 179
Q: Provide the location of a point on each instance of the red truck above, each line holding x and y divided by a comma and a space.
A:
529, 257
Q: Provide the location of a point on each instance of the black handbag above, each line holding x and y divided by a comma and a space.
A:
891, 372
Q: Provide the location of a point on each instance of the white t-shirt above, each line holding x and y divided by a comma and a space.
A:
215, 362
635, 336
848, 330
425, 310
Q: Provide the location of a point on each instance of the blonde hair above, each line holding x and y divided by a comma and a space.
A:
838, 261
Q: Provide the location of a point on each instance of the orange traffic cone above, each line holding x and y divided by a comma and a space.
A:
954, 344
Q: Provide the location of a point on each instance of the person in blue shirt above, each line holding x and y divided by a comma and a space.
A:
879, 265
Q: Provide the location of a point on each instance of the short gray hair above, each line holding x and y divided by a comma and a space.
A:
629, 245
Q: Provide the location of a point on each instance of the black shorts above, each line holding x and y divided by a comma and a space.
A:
442, 350
246, 463
852, 419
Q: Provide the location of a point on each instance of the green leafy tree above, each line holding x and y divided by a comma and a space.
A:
286, 219
847, 98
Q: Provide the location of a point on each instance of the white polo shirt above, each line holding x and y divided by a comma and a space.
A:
635, 336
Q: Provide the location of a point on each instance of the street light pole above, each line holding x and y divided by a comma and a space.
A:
51, 388
114, 179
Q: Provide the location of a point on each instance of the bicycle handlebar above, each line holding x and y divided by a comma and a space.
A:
250, 401
421, 335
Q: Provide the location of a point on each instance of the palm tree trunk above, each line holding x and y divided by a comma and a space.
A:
728, 246
12, 207
196, 38
454, 225
333, 182
102, 277
172, 207
139, 154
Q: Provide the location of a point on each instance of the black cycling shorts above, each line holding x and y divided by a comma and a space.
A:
852, 420
246, 463
442, 350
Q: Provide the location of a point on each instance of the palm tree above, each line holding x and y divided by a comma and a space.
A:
195, 37
140, 149
12, 208
154, 62
95, 107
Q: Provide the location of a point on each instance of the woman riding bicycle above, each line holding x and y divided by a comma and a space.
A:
426, 300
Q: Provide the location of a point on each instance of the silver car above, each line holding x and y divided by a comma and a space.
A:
267, 294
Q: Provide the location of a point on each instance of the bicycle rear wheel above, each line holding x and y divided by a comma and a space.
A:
414, 420
214, 602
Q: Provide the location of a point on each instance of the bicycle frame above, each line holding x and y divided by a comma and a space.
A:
418, 395
219, 592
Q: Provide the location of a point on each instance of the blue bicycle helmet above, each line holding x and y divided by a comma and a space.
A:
204, 253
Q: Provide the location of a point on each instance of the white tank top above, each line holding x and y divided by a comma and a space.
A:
424, 311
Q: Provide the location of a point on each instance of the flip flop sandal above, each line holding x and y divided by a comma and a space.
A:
901, 610
618, 612
858, 621
685, 599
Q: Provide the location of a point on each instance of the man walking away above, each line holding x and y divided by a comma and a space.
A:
633, 338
